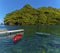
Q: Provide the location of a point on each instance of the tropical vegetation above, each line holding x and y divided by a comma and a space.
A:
32, 16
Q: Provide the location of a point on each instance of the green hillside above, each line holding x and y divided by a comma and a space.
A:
32, 16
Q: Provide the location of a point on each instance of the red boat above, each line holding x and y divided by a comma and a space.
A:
17, 37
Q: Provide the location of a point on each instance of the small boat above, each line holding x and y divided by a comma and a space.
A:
17, 37
12, 31
43, 34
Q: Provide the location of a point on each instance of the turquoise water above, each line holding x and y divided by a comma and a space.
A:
32, 43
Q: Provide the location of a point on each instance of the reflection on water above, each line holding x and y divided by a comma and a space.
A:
6, 45
32, 43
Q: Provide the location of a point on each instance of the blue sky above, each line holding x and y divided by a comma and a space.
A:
7, 6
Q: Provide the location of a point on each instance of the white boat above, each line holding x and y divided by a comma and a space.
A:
43, 34
12, 31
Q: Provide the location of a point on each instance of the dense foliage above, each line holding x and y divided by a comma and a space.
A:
31, 16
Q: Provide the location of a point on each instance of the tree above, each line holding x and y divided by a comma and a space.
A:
31, 16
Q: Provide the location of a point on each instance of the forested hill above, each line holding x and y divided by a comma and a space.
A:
31, 16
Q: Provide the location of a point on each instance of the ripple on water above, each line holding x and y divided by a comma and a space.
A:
35, 44
5, 45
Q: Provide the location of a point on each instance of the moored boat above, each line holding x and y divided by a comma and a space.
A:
17, 37
43, 34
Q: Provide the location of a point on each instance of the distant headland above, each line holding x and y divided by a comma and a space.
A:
32, 16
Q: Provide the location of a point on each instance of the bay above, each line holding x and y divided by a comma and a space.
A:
31, 43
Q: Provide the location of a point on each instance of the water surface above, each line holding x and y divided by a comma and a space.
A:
32, 43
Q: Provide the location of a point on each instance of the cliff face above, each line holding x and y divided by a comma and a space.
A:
31, 16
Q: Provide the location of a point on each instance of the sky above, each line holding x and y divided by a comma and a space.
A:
7, 6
